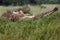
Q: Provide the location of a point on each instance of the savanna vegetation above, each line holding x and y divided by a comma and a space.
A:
23, 2
46, 28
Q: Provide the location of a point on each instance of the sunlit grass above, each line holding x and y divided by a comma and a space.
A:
47, 28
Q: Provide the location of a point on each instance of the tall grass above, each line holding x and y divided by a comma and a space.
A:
47, 28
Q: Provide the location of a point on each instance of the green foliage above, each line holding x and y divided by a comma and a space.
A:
22, 2
47, 28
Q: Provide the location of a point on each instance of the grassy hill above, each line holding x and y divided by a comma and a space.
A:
47, 28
